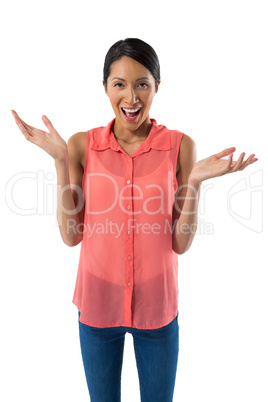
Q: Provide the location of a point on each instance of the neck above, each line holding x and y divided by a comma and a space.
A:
141, 133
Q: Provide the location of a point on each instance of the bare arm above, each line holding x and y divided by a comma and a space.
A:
190, 177
186, 200
70, 205
67, 158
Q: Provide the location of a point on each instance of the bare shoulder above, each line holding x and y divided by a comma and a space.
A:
77, 146
187, 153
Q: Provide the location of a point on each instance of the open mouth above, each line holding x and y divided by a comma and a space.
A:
131, 115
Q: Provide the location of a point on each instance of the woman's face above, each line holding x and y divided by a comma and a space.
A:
130, 85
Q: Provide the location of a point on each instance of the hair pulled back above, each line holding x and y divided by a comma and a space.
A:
138, 50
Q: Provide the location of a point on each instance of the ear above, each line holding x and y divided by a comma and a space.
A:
105, 87
157, 86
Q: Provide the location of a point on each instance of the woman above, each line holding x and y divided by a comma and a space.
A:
129, 192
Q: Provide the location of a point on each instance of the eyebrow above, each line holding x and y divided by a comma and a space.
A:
142, 78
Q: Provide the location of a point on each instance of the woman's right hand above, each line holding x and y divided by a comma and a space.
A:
50, 142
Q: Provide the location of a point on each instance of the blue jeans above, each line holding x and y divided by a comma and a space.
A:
156, 353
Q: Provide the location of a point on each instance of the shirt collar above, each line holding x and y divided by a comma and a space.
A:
156, 139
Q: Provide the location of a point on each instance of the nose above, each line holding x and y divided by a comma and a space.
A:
131, 96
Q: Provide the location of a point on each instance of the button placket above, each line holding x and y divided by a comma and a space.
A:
129, 274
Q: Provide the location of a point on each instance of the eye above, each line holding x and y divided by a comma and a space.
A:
143, 83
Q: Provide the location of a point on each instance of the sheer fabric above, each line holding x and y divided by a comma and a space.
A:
128, 272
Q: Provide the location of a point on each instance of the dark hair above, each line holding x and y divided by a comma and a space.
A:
138, 50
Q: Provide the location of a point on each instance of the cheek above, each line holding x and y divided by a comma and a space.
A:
114, 100
148, 100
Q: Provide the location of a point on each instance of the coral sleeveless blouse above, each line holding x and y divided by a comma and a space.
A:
128, 272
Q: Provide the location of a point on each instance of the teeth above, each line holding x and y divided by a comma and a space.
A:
131, 110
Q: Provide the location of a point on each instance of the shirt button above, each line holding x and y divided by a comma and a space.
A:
128, 207
129, 257
129, 283
128, 181
129, 160
129, 232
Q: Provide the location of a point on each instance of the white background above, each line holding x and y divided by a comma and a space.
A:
213, 58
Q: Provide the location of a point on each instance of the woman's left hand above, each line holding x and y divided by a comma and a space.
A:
214, 166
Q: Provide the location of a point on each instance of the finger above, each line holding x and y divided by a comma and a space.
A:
230, 161
20, 121
16, 117
247, 162
26, 133
238, 163
24, 129
225, 152
48, 123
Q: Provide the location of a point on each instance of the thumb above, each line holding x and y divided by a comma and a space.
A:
225, 152
48, 123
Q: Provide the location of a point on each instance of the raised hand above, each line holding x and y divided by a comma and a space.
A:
214, 166
50, 142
